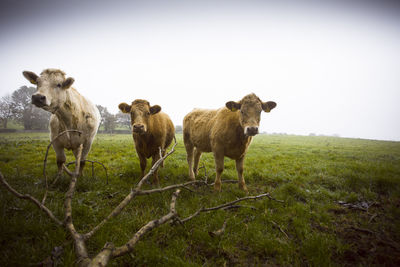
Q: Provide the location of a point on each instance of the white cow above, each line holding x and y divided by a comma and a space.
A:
70, 111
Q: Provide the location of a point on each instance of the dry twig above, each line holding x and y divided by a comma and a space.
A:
219, 231
30, 198
227, 205
92, 162
280, 229
128, 247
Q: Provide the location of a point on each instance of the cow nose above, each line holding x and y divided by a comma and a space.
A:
138, 127
252, 130
39, 100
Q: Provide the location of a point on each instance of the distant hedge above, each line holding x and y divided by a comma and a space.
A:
8, 130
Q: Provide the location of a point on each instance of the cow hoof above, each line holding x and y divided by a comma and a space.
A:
217, 187
244, 188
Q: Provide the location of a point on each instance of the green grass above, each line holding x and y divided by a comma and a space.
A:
311, 174
14, 125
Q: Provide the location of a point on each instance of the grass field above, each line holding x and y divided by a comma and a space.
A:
341, 205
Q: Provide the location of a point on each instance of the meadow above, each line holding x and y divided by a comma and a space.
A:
341, 204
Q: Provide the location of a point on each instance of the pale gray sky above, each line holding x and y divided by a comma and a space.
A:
332, 68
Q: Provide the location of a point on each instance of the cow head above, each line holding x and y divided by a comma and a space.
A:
51, 88
249, 109
140, 111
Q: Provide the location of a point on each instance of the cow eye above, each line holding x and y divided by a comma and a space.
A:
59, 85
148, 113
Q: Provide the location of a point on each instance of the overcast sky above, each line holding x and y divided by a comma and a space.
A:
332, 68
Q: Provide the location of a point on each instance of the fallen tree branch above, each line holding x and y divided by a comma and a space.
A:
239, 206
128, 247
104, 256
280, 229
155, 166
219, 231
159, 190
227, 205
205, 173
79, 242
134, 192
92, 162
30, 198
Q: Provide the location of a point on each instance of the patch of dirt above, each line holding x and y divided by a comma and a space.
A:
373, 243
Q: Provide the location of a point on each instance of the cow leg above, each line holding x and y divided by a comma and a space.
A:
197, 155
219, 168
143, 163
239, 169
85, 152
60, 157
155, 175
189, 151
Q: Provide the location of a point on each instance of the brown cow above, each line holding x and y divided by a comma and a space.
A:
151, 130
225, 132
70, 111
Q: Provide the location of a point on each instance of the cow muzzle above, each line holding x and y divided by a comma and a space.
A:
139, 128
251, 130
39, 100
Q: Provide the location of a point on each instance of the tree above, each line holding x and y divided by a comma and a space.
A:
108, 120
178, 129
123, 119
5, 110
26, 113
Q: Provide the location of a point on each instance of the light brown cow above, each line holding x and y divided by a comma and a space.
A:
151, 130
70, 111
225, 132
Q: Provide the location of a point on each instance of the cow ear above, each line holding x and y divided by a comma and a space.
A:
30, 76
67, 83
233, 106
124, 107
155, 109
267, 106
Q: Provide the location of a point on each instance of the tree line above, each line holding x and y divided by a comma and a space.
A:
17, 107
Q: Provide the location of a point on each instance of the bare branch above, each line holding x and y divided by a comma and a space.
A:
155, 166
159, 190
104, 256
280, 229
205, 172
227, 205
65, 168
32, 199
128, 247
92, 162
117, 210
239, 206
218, 232
79, 242
241, 199
136, 191
191, 216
